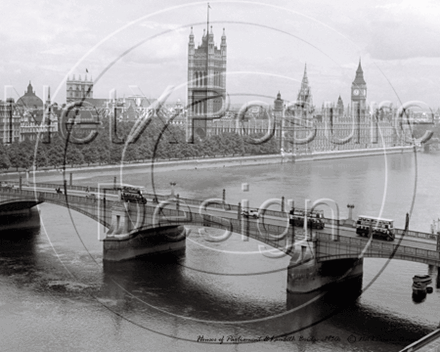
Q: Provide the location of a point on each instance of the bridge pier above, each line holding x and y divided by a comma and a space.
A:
130, 237
306, 274
433, 270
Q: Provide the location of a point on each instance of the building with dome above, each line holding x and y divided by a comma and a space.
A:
30, 104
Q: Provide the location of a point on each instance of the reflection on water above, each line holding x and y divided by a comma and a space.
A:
29, 219
17, 251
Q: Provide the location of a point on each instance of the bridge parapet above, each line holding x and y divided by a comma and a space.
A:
349, 247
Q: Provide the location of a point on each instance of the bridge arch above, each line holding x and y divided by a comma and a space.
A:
79, 210
18, 204
15, 200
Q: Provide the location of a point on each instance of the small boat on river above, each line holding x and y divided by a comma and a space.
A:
422, 279
419, 287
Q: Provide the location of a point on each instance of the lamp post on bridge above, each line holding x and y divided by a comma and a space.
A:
172, 184
350, 211
292, 221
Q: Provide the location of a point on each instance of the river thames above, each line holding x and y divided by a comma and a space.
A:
56, 294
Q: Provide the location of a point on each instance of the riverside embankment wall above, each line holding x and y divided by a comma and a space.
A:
219, 162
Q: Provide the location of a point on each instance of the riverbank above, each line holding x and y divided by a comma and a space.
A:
202, 163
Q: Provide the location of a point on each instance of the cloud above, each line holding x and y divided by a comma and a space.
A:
403, 30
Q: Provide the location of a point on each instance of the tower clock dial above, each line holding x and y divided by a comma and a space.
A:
356, 92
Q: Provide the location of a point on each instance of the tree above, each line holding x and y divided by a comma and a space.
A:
74, 156
5, 163
20, 154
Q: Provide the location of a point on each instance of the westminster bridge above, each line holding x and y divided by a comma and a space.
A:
337, 240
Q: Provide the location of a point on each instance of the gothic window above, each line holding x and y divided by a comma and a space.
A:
195, 78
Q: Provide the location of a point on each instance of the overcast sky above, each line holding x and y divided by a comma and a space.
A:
143, 44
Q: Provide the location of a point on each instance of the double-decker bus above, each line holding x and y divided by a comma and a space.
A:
132, 194
296, 218
382, 228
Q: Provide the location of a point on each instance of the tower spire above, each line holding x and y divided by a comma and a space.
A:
359, 79
207, 20
305, 80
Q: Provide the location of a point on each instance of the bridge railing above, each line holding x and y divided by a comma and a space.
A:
354, 246
72, 187
417, 234
196, 202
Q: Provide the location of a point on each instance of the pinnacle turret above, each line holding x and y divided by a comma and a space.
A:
305, 80
359, 80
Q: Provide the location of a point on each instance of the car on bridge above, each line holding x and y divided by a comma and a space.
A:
251, 213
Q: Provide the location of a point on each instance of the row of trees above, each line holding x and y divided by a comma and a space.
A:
155, 142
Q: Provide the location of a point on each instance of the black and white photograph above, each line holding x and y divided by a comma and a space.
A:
223, 176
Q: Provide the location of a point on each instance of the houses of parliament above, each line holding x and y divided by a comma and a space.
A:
299, 128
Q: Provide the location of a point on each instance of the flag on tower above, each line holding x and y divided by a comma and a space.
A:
209, 6
87, 70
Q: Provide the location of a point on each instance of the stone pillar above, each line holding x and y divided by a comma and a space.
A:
70, 179
306, 274
124, 241
433, 271
122, 217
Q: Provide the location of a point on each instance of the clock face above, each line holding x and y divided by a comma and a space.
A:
363, 92
356, 92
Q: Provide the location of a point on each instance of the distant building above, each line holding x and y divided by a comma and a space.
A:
340, 108
359, 96
9, 122
278, 107
303, 106
77, 89
206, 83
37, 124
30, 104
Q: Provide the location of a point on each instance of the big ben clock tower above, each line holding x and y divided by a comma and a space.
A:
359, 95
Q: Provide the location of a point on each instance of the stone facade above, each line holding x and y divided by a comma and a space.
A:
206, 83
